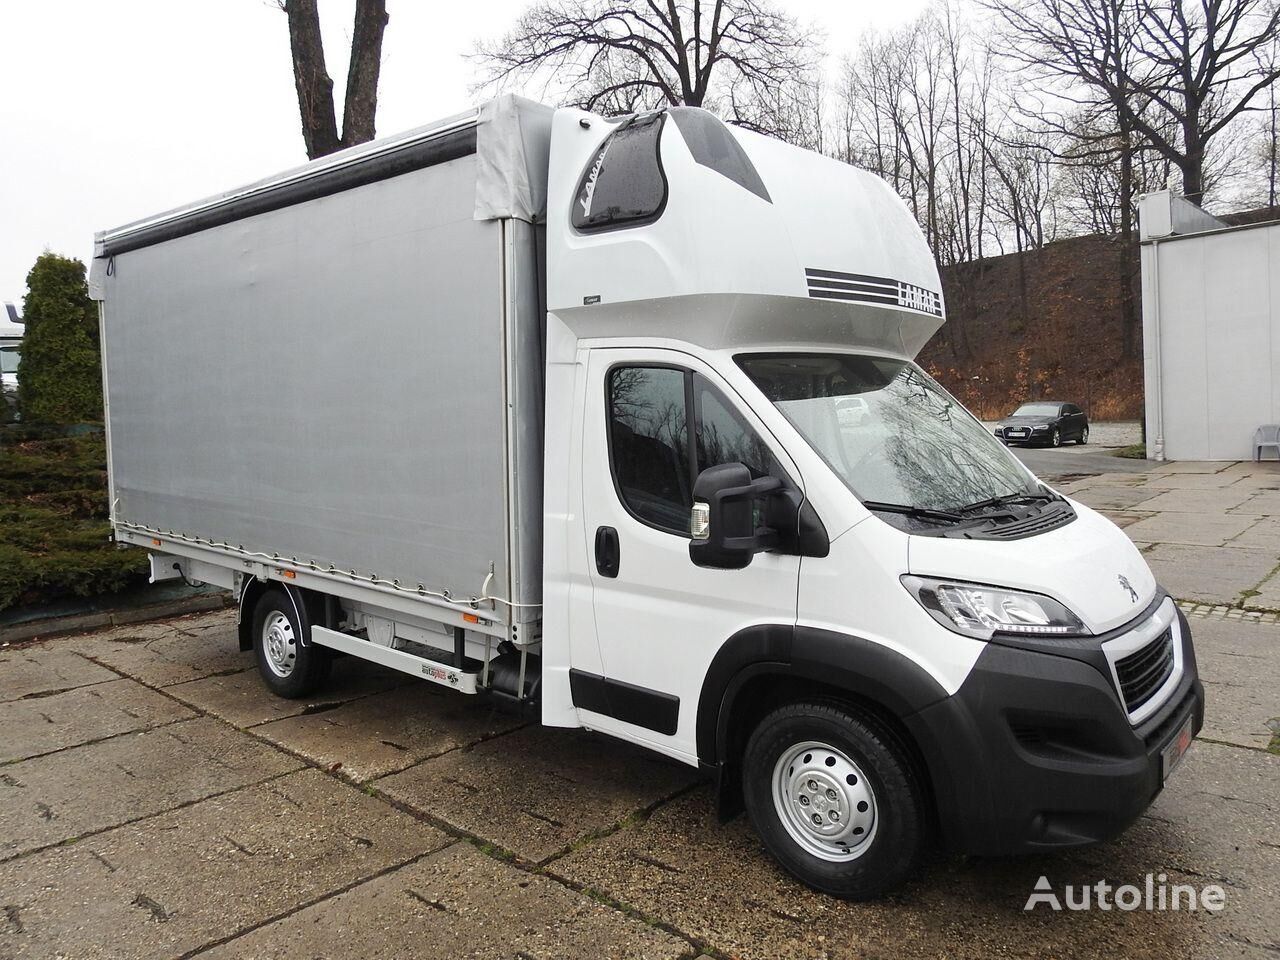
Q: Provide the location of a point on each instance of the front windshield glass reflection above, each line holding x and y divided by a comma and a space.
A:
890, 432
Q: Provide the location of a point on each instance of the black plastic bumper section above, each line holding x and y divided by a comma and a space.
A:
1035, 751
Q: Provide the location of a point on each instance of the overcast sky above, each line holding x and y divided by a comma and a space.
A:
111, 110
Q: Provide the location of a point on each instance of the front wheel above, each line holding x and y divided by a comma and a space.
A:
1056, 438
1084, 436
835, 798
288, 667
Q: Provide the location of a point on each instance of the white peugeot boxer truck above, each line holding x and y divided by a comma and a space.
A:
617, 420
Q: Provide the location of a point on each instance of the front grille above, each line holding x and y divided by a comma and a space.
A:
1144, 671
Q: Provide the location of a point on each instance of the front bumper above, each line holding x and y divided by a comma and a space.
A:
1036, 751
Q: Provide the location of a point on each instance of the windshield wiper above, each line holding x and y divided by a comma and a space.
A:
906, 509
1008, 498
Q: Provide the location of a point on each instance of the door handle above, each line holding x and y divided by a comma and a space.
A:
607, 554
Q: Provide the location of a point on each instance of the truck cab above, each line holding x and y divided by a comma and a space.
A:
864, 626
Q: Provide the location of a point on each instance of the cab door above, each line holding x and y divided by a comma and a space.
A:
654, 419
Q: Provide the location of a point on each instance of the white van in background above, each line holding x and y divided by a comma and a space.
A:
618, 420
11, 331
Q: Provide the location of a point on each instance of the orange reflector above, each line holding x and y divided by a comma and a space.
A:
289, 574
155, 542
470, 618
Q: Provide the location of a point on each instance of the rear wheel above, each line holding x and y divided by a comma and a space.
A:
289, 667
1084, 436
835, 798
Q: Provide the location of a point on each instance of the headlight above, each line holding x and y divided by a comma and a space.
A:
1043, 426
980, 611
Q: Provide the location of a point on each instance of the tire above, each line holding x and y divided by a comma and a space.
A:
289, 668
1056, 439
796, 759
1084, 436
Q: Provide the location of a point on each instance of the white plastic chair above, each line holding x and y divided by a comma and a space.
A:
1267, 435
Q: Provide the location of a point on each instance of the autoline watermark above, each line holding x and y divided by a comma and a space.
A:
1156, 893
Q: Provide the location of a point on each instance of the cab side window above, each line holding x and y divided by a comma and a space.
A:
623, 185
654, 456
724, 437
649, 445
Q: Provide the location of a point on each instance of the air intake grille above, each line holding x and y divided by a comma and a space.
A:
1144, 671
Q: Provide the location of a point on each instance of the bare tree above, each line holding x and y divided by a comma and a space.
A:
1023, 170
314, 85
913, 106
1201, 63
1081, 52
1210, 68
739, 56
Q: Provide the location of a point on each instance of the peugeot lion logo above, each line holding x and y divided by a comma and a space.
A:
1126, 585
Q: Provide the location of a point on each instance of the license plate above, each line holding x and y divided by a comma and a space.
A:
1175, 749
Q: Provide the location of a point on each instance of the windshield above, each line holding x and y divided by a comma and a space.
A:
1036, 410
913, 444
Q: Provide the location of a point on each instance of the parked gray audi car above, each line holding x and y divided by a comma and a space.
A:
1045, 422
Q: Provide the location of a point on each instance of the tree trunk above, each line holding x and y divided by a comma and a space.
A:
1192, 160
1127, 266
311, 77
362, 77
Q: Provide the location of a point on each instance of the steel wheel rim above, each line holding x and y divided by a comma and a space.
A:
824, 801
279, 645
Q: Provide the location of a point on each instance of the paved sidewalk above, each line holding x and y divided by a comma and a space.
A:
156, 802
1211, 531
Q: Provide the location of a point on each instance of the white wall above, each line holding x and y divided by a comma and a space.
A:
1211, 325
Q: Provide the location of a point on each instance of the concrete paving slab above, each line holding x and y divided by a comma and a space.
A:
160, 657
151, 628
1189, 466
1268, 595
718, 885
715, 883
1240, 666
1260, 503
42, 724
39, 670
243, 699
1270, 465
1205, 529
184, 879
538, 790
1218, 821
1208, 502
1208, 574
389, 731
63, 795
1263, 535
457, 903
1123, 520
1114, 496
1190, 481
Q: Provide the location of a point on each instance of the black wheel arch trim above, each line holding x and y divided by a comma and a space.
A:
863, 667
308, 607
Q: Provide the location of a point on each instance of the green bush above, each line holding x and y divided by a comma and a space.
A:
54, 533
59, 373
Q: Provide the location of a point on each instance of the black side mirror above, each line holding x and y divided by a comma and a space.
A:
730, 515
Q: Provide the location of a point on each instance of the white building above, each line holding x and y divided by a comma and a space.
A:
1211, 330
